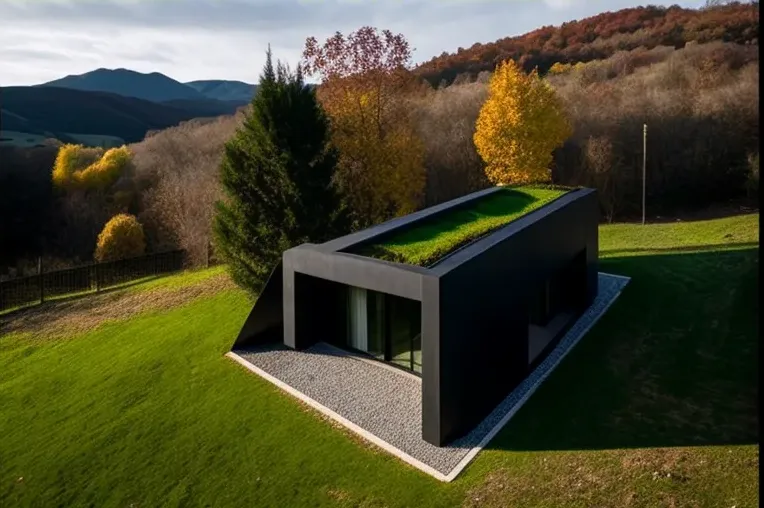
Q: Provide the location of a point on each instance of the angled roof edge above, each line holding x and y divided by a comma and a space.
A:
372, 233
481, 244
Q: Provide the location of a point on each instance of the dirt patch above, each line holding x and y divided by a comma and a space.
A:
604, 478
79, 315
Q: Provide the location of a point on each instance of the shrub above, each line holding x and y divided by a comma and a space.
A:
122, 237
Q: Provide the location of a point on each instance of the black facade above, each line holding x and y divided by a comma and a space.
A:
475, 323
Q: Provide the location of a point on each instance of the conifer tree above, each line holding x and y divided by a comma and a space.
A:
277, 176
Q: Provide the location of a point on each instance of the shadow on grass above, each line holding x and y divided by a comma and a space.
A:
674, 362
686, 248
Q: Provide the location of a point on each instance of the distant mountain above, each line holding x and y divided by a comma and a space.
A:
56, 112
206, 107
153, 87
223, 90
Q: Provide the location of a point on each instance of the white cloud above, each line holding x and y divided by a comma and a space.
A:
43, 40
562, 4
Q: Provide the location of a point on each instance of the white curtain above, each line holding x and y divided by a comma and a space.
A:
359, 337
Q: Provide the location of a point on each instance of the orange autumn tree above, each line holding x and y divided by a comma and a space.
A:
520, 124
365, 89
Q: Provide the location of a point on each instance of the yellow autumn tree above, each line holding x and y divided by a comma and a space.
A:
365, 90
520, 124
121, 237
560, 68
381, 166
78, 167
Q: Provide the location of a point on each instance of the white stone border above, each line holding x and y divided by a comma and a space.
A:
403, 455
495, 430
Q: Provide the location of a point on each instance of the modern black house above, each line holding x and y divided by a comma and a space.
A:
471, 321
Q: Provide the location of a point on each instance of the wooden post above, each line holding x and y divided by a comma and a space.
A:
40, 278
644, 169
97, 277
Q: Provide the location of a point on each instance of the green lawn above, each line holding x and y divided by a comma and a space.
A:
432, 239
657, 406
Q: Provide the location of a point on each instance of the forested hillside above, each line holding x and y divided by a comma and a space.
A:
700, 103
600, 37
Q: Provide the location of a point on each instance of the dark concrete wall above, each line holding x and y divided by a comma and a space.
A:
483, 310
265, 322
309, 296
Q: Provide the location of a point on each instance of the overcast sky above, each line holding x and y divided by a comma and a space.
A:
42, 40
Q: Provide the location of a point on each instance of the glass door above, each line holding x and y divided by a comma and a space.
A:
405, 333
386, 327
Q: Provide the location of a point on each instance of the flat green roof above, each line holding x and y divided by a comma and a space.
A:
429, 240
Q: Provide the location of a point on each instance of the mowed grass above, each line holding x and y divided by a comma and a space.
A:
657, 406
430, 240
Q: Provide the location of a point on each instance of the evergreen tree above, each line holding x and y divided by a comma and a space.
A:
277, 175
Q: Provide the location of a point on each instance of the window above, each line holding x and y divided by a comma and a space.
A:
386, 327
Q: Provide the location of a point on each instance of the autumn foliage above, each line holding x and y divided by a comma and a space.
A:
366, 90
121, 237
78, 167
601, 36
521, 122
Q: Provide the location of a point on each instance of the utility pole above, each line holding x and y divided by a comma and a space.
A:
644, 169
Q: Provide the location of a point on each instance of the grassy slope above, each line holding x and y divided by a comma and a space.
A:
656, 407
433, 239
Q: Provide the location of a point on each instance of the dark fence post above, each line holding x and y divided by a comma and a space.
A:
97, 277
39, 276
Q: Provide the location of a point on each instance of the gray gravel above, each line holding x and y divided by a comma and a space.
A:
387, 403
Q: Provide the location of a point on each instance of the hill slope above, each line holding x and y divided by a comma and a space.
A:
154, 87
656, 406
54, 111
223, 90
600, 37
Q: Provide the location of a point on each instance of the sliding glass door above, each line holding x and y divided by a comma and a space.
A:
386, 327
405, 333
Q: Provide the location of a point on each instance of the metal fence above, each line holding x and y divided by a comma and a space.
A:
88, 278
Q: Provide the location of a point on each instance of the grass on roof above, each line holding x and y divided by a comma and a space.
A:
432, 239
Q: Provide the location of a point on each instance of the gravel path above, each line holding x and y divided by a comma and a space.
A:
388, 403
